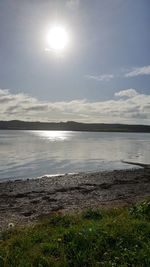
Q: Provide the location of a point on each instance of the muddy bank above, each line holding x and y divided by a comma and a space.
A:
24, 201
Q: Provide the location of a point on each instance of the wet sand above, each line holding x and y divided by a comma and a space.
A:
23, 201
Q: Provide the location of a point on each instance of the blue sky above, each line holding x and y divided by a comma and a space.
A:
103, 76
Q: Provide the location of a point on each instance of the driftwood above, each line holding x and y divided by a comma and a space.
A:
143, 165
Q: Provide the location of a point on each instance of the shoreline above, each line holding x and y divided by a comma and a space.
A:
23, 201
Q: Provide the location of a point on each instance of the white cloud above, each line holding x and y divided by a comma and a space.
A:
132, 72
138, 71
103, 77
128, 93
135, 108
73, 4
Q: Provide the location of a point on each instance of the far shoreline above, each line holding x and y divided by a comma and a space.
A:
73, 126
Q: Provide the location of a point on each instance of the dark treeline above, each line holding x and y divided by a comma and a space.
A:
72, 126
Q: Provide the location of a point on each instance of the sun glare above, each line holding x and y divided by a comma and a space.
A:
57, 39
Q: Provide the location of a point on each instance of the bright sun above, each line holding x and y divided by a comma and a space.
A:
57, 39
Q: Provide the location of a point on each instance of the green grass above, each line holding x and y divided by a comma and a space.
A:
114, 237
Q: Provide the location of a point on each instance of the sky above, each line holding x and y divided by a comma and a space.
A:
102, 76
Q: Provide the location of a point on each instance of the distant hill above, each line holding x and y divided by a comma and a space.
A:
72, 126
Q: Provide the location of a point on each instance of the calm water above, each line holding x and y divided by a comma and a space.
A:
27, 154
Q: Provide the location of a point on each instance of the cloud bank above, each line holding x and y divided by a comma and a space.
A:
128, 106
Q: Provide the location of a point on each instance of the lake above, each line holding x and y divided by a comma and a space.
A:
29, 154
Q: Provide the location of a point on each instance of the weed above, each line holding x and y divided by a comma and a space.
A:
93, 238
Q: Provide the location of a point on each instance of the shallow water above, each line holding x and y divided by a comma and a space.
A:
28, 154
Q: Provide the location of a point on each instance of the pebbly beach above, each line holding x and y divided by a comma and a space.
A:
24, 201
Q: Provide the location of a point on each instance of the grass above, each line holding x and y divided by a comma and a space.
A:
114, 237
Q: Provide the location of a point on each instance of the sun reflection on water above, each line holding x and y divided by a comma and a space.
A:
53, 135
